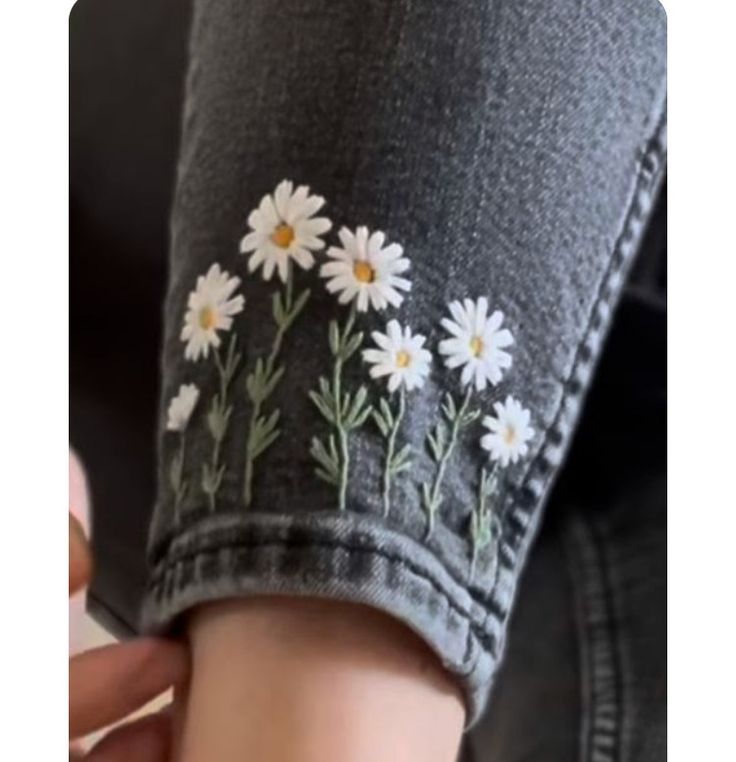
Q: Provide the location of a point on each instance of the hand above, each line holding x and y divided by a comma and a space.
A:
108, 683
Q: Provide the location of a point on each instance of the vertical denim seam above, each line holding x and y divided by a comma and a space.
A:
557, 434
601, 682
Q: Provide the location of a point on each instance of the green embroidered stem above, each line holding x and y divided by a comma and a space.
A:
176, 474
260, 384
442, 446
218, 419
342, 435
481, 519
342, 410
390, 466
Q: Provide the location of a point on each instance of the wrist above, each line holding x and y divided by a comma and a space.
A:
287, 678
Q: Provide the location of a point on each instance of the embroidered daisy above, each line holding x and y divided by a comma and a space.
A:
181, 407
509, 432
284, 228
477, 342
400, 356
365, 271
209, 310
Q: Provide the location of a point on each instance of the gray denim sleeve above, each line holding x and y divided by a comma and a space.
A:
399, 233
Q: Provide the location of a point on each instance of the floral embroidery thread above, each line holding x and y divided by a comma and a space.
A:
509, 432
441, 442
364, 273
343, 411
179, 413
476, 343
284, 229
402, 358
211, 308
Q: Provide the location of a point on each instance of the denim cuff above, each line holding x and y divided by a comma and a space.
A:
468, 185
340, 556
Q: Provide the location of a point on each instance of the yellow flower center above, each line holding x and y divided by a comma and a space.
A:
509, 436
476, 345
363, 272
207, 318
283, 236
403, 358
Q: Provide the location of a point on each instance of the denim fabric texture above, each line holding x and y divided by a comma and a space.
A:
514, 149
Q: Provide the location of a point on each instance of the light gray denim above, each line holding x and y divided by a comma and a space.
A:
514, 149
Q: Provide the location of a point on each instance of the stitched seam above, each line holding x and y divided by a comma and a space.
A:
162, 576
584, 355
600, 680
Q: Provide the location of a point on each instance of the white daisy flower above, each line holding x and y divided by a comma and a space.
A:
364, 270
181, 407
509, 432
284, 228
400, 356
209, 310
477, 342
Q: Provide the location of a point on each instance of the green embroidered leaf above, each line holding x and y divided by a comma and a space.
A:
449, 408
265, 442
231, 361
326, 392
427, 498
437, 441
345, 404
383, 427
361, 418
387, 412
265, 426
469, 417
352, 346
212, 478
334, 337
490, 485
329, 462
402, 460
356, 409
298, 306
357, 413
322, 406
279, 313
271, 383
217, 420
333, 480
333, 449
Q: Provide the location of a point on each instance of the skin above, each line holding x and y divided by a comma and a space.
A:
107, 684
279, 679
273, 680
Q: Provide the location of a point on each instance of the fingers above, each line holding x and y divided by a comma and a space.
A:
145, 740
108, 683
80, 557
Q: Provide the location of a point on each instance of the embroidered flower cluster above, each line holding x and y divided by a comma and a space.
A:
365, 272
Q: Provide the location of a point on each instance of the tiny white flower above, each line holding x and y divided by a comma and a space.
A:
477, 343
181, 407
284, 228
366, 271
209, 310
509, 432
400, 356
